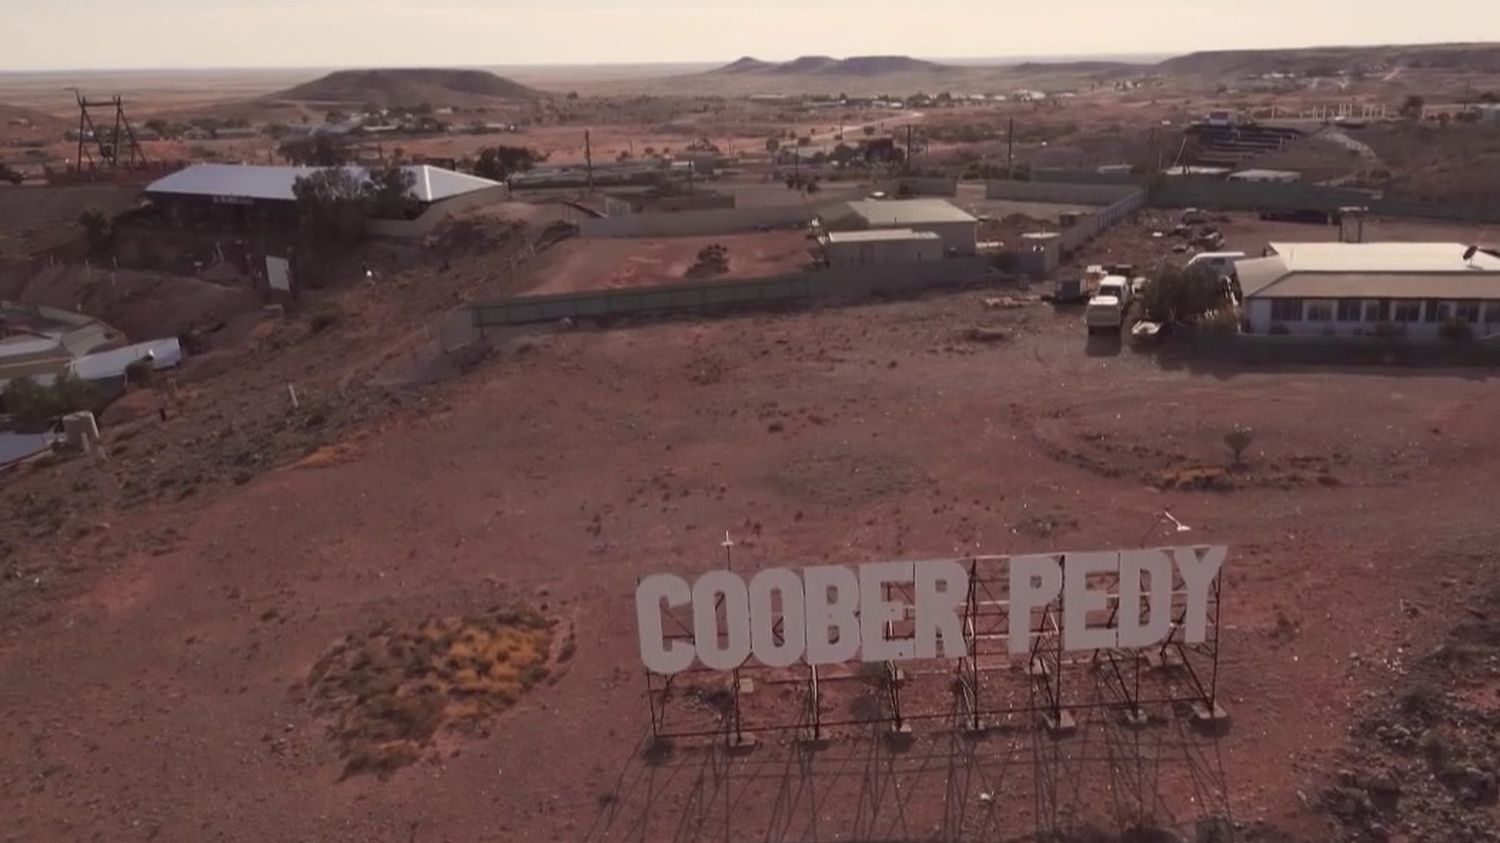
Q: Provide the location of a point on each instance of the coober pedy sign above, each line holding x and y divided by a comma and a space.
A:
838, 613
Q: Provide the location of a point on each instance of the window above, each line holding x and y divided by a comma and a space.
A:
1349, 310
1320, 310
1286, 310
1438, 311
1467, 311
1492, 313
1375, 310
1407, 311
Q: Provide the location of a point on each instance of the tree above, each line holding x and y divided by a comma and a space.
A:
1412, 108
499, 162
843, 154
316, 150
35, 407
390, 192
1238, 440
97, 229
1183, 295
773, 145
332, 205
335, 116
7, 173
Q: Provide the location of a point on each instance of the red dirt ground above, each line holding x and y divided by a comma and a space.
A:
156, 659
164, 608
580, 264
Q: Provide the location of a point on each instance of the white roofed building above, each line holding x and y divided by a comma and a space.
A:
1348, 289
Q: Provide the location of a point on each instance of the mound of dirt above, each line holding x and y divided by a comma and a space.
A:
143, 305
881, 66
1424, 762
829, 66
805, 64
747, 64
408, 87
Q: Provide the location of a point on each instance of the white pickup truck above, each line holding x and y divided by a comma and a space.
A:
1106, 310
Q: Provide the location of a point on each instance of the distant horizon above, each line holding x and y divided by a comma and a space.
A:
1141, 57
960, 61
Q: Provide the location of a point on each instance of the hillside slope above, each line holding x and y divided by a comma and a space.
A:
1473, 57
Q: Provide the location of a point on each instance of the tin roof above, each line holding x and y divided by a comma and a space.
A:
274, 183
893, 212
1370, 270
882, 234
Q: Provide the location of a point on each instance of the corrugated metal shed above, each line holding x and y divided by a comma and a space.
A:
270, 183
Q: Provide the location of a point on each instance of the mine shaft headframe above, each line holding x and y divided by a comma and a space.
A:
95, 147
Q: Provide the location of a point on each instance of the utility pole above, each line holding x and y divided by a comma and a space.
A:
588, 157
910, 154
1010, 149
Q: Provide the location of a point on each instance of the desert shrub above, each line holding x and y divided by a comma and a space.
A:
1183, 295
1222, 322
332, 205
97, 230
35, 407
138, 372
1238, 440
1456, 330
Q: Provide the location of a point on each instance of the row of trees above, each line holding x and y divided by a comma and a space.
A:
333, 203
497, 163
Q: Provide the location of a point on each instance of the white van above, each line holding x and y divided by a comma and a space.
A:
1222, 261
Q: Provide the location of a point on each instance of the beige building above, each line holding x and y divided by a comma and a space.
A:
957, 228
1348, 289
882, 246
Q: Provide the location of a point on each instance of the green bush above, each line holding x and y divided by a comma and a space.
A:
138, 372
35, 407
1387, 329
1278, 329
1183, 295
1221, 322
98, 229
1456, 330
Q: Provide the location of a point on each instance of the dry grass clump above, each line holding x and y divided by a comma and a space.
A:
394, 688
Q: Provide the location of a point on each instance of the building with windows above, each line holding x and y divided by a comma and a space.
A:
1354, 289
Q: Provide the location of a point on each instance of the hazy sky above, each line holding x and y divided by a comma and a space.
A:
43, 34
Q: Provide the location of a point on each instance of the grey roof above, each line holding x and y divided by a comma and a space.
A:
249, 181
19, 446
895, 212
1370, 270
883, 234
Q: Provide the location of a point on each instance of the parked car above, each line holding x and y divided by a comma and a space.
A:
1106, 310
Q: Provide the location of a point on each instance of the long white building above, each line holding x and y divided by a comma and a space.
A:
1348, 289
